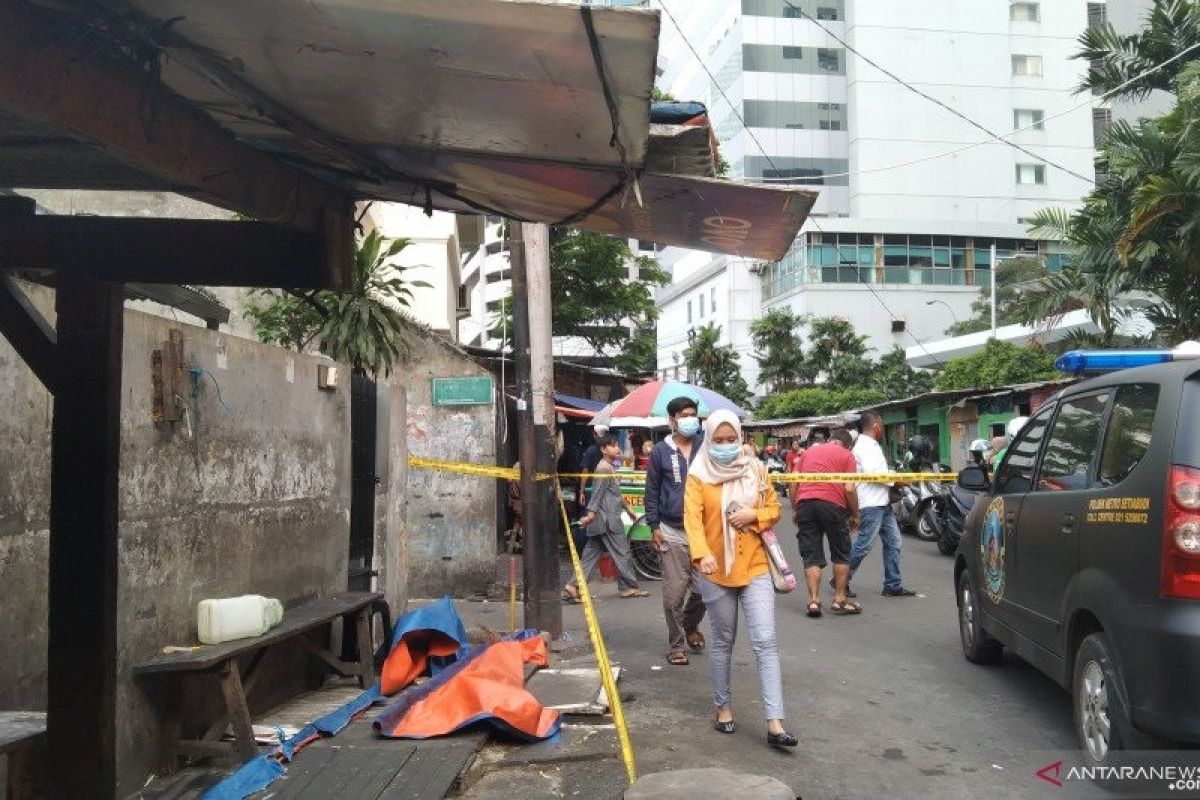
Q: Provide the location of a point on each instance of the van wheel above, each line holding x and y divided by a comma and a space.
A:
978, 647
1102, 719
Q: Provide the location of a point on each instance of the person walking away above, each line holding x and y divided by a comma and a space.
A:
666, 477
727, 502
826, 512
605, 528
875, 507
591, 457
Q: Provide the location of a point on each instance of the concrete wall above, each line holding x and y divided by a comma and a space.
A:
452, 526
250, 499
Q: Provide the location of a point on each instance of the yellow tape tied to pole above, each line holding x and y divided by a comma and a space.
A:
593, 626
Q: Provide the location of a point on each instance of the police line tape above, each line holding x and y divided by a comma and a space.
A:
512, 474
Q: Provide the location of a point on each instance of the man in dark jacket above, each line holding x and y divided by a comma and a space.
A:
665, 479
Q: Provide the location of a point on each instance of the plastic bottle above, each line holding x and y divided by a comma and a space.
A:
229, 618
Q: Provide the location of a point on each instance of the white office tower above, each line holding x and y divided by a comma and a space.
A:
912, 195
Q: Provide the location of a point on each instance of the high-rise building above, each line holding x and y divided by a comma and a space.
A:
913, 191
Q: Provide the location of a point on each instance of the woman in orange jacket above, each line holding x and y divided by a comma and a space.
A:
727, 502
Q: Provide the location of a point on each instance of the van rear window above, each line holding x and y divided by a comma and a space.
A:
1187, 438
1129, 429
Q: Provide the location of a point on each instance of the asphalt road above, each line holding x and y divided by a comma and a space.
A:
884, 703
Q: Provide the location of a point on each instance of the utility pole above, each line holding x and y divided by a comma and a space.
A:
529, 254
995, 265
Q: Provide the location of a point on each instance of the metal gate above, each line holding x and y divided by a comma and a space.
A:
364, 481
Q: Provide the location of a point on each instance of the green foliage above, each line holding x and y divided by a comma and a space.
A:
658, 95
896, 379
1139, 230
591, 295
779, 349
998, 364
714, 365
641, 352
363, 326
816, 401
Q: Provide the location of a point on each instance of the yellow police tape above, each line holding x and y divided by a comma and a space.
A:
593, 626
512, 474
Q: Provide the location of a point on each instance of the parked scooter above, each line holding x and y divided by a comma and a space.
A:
948, 513
916, 498
775, 466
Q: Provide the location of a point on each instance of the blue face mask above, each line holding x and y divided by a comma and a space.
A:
725, 453
687, 426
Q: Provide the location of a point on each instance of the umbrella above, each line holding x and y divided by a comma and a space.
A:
646, 406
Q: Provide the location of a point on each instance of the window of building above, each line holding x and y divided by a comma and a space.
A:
712, 299
793, 53
1024, 12
1101, 122
646, 246
1129, 429
1072, 445
830, 124
689, 312
792, 12
829, 60
702, 305
793, 115
1028, 119
1031, 174
1027, 66
826, 12
1097, 14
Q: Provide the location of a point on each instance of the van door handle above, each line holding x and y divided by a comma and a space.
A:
1010, 517
1068, 524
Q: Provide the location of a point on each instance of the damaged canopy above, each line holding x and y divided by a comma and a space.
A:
530, 110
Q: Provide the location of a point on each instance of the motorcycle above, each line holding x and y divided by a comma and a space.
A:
776, 466
948, 515
915, 501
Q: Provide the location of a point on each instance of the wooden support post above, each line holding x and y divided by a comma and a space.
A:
85, 446
542, 549
239, 712
366, 653
531, 521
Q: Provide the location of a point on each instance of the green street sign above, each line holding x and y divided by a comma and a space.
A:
475, 391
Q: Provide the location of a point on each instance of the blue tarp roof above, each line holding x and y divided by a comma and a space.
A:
578, 402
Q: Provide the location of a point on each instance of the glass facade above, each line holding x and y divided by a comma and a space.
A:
795, 60
799, 171
791, 9
897, 260
795, 116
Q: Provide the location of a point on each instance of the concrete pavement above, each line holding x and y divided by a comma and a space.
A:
884, 703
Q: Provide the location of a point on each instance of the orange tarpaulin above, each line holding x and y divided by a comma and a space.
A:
488, 685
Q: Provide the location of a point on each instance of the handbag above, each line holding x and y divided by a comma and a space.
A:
782, 577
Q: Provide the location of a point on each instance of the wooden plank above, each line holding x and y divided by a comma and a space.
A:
64, 80
85, 446
239, 713
366, 653
28, 332
151, 250
296, 620
351, 772
343, 669
19, 728
431, 771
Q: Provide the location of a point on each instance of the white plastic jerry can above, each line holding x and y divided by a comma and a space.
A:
229, 618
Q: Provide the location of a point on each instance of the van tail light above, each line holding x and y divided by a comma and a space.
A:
1181, 535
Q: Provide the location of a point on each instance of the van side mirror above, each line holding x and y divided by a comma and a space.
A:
973, 479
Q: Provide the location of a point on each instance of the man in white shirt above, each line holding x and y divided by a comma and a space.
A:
875, 509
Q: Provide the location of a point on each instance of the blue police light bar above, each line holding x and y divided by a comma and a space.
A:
1078, 362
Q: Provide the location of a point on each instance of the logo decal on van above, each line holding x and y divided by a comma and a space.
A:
991, 550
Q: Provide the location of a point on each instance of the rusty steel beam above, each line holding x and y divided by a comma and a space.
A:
56, 79
153, 250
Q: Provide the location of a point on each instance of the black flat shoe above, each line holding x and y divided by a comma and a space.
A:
725, 727
900, 592
784, 739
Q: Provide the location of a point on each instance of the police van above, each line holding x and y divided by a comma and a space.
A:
1082, 554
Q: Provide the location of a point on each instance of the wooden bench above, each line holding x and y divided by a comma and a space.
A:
23, 742
355, 608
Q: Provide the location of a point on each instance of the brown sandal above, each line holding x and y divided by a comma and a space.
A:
678, 658
570, 595
845, 607
814, 609
634, 593
695, 641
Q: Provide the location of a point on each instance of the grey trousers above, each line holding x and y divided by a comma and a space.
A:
757, 600
617, 545
682, 605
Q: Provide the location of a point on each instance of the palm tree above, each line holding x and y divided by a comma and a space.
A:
365, 326
1172, 26
779, 349
714, 365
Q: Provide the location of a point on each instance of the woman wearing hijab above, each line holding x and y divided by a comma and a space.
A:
727, 502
